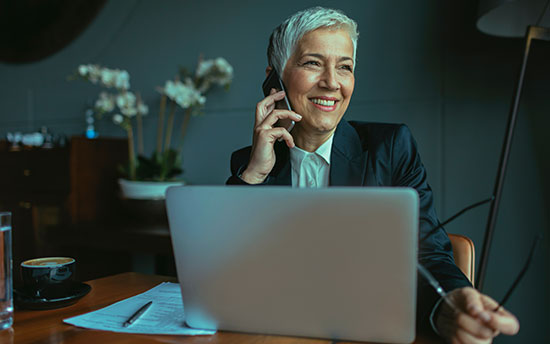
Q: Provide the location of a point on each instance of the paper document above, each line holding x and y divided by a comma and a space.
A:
165, 316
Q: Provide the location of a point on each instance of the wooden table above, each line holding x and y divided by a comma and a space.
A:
48, 327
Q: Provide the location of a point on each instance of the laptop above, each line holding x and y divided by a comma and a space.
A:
336, 263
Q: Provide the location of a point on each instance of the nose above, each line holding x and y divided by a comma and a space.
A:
329, 80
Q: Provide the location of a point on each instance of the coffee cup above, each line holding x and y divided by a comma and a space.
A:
49, 277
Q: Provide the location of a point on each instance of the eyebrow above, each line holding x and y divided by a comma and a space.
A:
321, 56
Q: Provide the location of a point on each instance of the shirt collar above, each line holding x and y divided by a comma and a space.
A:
324, 150
297, 154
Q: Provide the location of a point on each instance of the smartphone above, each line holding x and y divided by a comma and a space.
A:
274, 81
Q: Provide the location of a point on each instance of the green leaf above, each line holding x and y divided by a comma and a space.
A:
163, 166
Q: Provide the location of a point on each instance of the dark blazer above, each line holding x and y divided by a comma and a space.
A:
379, 154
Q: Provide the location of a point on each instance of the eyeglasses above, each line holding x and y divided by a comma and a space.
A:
435, 284
521, 273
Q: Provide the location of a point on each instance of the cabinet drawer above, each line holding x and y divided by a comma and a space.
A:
35, 171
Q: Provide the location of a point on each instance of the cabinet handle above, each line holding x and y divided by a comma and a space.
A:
27, 172
26, 205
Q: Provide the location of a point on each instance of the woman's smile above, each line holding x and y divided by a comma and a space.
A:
324, 103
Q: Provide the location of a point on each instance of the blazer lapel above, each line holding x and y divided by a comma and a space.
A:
347, 159
281, 171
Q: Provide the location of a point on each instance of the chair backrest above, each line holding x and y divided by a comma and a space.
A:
464, 254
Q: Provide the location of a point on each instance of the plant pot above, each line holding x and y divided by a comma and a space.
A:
131, 189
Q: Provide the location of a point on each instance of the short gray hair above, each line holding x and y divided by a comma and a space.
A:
285, 37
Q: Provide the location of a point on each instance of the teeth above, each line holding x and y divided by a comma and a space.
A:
323, 102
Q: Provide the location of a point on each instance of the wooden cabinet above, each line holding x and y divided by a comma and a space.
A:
33, 182
93, 170
44, 188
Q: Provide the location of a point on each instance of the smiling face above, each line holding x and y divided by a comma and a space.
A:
319, 80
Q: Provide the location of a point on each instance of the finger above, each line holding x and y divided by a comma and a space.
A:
449, 322
474, 304
281, 133
276, 115
474, 327
504, 322
501, 320
464, 337
266, 105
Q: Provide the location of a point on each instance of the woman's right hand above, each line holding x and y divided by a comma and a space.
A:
262, 157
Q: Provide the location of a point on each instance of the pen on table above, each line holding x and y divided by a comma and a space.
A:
137, 314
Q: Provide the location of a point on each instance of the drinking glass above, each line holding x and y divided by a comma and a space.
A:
6, 283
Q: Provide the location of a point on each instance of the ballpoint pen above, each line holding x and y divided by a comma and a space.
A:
137, 314
435, 284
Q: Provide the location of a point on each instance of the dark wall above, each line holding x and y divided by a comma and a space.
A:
418, 62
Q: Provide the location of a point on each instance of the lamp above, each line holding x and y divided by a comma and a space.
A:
509, 18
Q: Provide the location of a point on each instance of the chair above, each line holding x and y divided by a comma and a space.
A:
464, 253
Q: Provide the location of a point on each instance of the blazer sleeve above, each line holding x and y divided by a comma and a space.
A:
239, 162
435, 250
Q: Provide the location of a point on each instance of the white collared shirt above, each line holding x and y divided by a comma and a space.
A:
311, 169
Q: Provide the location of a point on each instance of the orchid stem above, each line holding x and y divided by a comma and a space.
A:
160, 127
184, 125
170, 126
139, 128
131, 152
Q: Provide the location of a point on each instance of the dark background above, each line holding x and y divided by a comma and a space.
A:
419, 62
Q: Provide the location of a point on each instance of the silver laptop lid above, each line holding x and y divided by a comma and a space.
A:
335, 263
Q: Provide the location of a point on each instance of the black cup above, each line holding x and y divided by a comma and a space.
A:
49, 278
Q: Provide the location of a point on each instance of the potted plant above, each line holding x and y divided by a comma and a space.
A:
148, 177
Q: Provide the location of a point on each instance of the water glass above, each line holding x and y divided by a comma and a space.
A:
6, 282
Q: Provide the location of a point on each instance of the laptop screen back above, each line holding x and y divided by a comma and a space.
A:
335, 263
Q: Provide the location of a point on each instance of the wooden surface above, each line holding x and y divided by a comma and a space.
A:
47, 326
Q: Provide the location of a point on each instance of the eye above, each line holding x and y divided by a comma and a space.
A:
347, 67
311, 63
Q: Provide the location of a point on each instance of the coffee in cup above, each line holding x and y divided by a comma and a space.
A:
48, 277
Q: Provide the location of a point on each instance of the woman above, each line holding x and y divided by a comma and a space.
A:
314, 52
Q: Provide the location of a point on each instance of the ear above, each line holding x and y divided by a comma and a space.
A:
268, 70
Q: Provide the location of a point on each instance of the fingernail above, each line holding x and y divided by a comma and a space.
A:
299, 116
474, 308
485, 316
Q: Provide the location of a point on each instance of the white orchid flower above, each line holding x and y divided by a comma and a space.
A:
105, 102
204, 67
143, 109
170, 89
122, 80
118, 119
224, 66
107, 77
82, 70
129, 111
125, 99
94, 73
217, 71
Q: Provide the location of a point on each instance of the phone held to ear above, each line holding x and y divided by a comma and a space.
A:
274, 81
